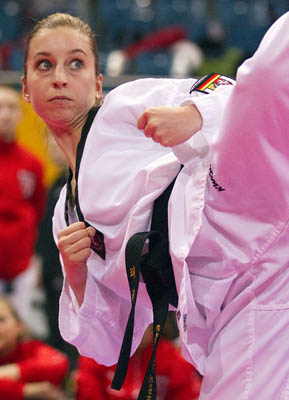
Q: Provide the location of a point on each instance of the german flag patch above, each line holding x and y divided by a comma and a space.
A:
207, 84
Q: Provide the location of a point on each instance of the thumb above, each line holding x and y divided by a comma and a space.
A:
91, 232
141, 122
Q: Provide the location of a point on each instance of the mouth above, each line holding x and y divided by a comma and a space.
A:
60, 98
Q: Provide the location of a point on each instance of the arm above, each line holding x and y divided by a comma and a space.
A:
37, 376
165, 125
41, 391
172, 126
43, 363
16, 390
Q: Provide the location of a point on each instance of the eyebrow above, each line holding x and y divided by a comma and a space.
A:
47, 54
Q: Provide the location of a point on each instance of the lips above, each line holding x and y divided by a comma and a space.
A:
60, 98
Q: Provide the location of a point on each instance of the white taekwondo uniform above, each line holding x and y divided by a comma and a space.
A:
121, 173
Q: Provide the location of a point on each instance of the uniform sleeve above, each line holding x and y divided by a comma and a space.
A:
247, 197
11, 390
43, 364
211, 107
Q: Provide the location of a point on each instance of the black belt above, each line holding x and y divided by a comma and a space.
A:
156, 269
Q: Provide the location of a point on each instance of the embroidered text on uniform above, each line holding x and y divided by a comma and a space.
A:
215, 184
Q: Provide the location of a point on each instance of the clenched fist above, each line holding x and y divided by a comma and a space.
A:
74, 246
170, 126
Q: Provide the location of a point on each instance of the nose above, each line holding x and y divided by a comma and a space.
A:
59, 77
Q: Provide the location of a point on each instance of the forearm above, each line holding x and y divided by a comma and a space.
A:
74, 245
77, 281
10, 371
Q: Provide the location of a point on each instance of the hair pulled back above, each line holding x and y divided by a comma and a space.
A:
62, 20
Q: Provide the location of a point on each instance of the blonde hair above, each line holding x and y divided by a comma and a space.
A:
63, 20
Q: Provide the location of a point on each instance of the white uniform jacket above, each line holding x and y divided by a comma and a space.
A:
121, 174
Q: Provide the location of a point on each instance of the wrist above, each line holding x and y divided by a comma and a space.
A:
194, 117
77, 282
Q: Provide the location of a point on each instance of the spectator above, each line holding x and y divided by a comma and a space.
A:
22, 197
176, 378
29, 369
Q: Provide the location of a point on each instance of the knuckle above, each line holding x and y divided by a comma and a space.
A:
146, 113
87, 242
60, 243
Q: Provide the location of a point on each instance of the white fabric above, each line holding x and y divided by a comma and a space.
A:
121, 173
233, 274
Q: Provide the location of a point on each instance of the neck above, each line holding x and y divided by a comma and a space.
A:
67, 138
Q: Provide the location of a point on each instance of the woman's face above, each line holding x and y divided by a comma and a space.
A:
10, 329
61, 82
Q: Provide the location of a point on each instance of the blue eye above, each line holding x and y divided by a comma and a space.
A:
76, 64
44, 64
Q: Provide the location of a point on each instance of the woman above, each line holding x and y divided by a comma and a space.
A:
116, 174
22, 202
29, 369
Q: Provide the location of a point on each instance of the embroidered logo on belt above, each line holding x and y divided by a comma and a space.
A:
215, 184
207, 84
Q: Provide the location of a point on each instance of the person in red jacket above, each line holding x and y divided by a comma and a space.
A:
176, 378
29, 369
22, 201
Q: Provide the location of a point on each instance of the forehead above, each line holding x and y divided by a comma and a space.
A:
59, 40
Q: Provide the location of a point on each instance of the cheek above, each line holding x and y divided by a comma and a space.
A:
36, 98
86, 98
88, 87
38, 106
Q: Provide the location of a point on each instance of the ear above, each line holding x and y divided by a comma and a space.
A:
99, 86
25, 93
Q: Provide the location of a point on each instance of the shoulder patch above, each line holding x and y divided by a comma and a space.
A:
207, 84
